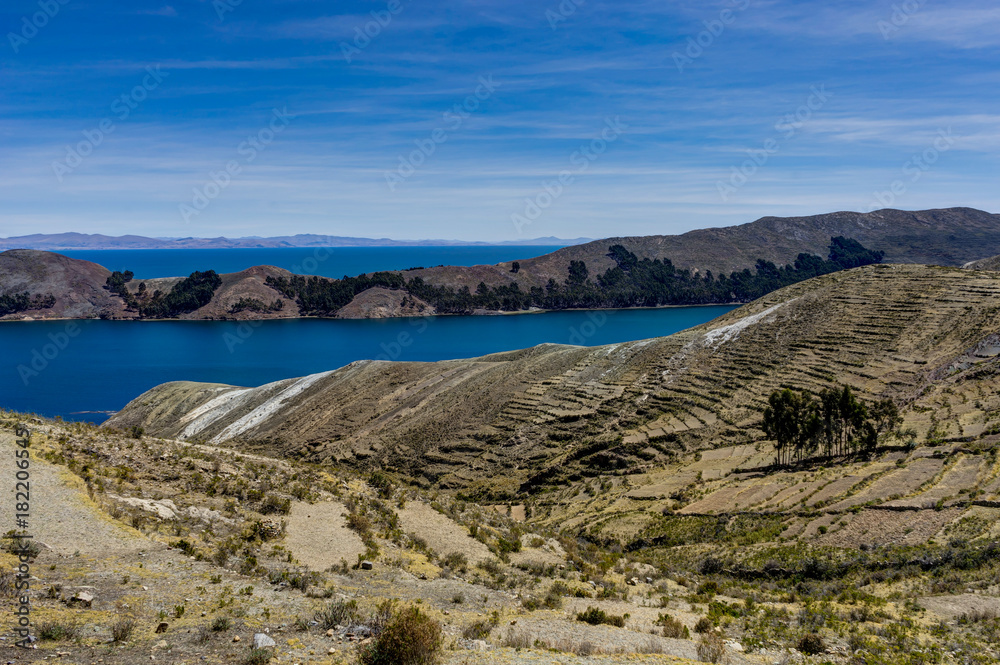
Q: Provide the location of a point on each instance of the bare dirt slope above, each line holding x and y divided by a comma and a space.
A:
989, 263
442, 534
317, 535
381, 303
63, 518
76, 285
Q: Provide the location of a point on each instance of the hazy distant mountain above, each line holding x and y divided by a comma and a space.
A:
64, 241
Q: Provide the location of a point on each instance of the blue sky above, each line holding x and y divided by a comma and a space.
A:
268, 117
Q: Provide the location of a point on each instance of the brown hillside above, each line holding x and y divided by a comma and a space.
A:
939, 237
921, 335
989, 263
247, 284
950, 237
75, 284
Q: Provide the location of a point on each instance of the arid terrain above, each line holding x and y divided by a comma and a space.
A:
558, 504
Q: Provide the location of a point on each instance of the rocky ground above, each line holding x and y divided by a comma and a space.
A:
204, 548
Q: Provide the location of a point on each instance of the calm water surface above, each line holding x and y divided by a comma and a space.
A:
82, 370
329, 262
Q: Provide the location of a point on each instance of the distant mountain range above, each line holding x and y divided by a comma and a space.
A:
71, 241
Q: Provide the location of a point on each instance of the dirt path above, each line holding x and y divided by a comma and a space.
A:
62, 517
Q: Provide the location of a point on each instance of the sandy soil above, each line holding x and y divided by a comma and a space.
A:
441, 534
949, 607
318, 536
62, 517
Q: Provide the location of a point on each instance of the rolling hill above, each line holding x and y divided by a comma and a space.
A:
561, 487
514, 424
951, 237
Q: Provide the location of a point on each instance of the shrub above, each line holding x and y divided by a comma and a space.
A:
811, 644
711, 566
709, 588
122, 628
21, 546
673, 627
456, 561
359, 523
8, 584
711, 649
337, 613
274, 504
259, 656
184, 546
57, 632
508, 545
411, 638
704, 625
480, 630
596, 616
221, 624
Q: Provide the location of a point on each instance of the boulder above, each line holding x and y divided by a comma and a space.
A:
83, 598
164, 510
263, 640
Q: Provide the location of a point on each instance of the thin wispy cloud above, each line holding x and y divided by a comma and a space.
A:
166, 10
747, 81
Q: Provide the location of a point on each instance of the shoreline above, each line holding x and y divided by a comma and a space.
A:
379, 318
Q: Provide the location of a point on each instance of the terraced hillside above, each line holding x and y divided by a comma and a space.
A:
516, 424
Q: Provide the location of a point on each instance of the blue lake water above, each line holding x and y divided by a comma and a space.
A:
81, 370
328, 262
